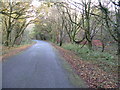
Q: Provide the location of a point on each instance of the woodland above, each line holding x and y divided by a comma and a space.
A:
89, 28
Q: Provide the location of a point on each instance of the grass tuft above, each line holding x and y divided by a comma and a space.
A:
103, 59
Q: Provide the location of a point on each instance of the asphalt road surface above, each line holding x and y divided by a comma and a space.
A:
36, 67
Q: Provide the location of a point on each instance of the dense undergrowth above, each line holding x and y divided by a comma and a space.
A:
106, 61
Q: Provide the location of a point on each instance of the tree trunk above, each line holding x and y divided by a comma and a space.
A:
61, 37
14, 41
118, 33
90, 45
9, 28
7, 42
60, 42
87, 31
103, 46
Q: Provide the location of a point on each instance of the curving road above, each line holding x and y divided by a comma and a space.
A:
36, 67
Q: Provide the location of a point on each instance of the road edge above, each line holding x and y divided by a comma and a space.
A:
72, 76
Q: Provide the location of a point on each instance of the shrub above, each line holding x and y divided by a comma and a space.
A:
86, 54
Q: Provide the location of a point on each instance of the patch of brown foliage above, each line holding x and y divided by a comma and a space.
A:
12, 51
93, 75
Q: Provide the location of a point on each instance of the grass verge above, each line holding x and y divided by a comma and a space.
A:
76, 81
7, 52
107, 62
88, 70
74, 78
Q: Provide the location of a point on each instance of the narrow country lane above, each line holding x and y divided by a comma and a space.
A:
36, 67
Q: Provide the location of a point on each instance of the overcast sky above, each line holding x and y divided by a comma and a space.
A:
36, 3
